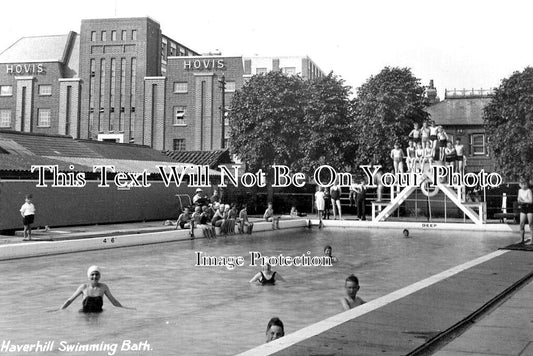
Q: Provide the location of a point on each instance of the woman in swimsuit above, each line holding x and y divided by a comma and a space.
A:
267, 277
93, 293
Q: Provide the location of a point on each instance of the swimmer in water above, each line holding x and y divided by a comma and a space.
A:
275, 329
267, 277
327, 253
351, 300
93, 293
405, 233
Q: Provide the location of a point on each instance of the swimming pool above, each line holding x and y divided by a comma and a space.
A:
188, 310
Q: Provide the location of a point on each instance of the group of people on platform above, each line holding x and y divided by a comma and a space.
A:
428, 145
211, 213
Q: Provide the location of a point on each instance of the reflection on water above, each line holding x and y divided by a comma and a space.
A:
188, 310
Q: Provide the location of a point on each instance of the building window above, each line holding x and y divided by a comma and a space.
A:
122, 94
179, 144
180, 87
230, 87
113, 35
289, 70
5, 118
104, 36
477, 144
123, 35
45, 89
112, 88
6, 90
179, 115
260, 70
102, 93
93, 36
43, 117
133, 81
134, 35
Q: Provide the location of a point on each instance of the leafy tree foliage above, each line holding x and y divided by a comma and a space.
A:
265, 118
280, 119
509, 125
325, 129
386, 107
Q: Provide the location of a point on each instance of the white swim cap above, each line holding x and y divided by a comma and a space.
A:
93, 269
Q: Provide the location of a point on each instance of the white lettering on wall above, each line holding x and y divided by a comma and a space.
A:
29, 68
203, 64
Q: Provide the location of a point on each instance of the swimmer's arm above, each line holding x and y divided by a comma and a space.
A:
112, 299
73, 297
280, 278
256, 278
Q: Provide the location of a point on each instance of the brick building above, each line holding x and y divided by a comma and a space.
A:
39, 85
123, 80
116, 55
461, 116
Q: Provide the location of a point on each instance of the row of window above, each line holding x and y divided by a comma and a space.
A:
180, 115
178, 144
123, 35
183, 87
284, 70
44, 90
43, 118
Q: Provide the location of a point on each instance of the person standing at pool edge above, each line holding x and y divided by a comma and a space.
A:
525, 202
320, 203
28, 214
351, 300
93, 293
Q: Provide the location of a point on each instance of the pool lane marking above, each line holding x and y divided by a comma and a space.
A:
336, 320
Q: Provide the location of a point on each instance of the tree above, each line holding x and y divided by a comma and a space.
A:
265, 119
325, 129
508, 122
280, 119
386, 107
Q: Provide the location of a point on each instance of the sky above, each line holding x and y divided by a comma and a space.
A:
458, 44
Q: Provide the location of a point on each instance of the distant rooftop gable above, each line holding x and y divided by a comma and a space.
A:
460, 111
57, 48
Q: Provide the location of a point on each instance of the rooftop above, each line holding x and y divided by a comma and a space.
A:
459, 110
55, 48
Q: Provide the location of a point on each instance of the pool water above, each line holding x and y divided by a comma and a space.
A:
188, 310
